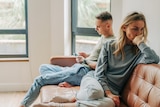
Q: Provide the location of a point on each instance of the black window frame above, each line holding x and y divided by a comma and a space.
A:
78, 30
18, 31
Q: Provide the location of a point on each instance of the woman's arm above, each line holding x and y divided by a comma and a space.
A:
101, 68
115, 98
149, 55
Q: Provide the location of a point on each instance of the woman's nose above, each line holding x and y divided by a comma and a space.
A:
139, 32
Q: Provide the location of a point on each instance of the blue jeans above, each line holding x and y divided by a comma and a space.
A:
53, 75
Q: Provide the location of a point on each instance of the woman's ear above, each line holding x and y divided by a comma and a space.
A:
124, 28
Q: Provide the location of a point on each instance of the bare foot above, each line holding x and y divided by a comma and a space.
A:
21, 106
61, 99
64, 84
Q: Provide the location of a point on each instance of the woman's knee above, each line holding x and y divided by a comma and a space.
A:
90, 89
94, 93
90, 93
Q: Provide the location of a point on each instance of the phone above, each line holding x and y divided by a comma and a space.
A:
75, 54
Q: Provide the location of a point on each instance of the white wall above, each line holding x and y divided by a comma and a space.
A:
116, 11
60, 27
49, 34
19, 75
150, 8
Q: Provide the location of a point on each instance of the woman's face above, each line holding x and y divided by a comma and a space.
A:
134, 29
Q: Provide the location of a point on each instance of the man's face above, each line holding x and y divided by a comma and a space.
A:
101, 26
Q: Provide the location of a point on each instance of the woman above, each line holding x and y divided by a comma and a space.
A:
117, 60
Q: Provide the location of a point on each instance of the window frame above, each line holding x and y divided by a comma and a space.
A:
18, 31
78, 30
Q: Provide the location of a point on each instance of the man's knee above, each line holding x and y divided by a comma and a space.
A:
43, 67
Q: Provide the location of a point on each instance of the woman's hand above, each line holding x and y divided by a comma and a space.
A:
138, 39
115, 98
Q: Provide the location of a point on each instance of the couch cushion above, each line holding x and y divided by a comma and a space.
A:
143, 88
49, 91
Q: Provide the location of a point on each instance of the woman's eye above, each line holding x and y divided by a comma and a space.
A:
135, 29
142, 29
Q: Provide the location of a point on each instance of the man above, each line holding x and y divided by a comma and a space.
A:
68, 76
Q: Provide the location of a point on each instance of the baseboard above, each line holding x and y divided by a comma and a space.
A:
14, 87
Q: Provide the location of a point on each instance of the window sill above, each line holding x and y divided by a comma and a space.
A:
14, 59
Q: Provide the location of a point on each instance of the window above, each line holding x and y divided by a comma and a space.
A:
84, 36
13, 29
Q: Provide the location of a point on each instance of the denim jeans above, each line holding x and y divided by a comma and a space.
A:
53, 74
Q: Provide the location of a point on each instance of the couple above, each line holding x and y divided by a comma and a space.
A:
117, 59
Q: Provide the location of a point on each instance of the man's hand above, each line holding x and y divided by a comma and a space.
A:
80, 59
138, 39
85, 55
115, 98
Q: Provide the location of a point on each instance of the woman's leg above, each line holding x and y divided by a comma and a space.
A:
104, 102
91, 93
90, 89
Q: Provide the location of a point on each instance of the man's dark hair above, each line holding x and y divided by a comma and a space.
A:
104, 16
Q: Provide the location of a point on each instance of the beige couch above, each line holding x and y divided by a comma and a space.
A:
141, 90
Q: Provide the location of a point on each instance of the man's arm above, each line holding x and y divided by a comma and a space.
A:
91, 64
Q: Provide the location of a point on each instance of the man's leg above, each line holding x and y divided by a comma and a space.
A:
40, 81
49, 68
78, 73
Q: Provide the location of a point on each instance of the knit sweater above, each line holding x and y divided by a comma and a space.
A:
112, 71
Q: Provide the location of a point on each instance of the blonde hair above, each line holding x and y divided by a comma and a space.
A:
122, 39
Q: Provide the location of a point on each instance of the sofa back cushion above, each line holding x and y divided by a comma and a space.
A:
143, 88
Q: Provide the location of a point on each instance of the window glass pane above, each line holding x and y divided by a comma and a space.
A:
88, 9
12, 14
12, 44
84, 37
86, 43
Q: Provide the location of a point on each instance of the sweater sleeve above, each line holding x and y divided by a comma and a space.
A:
102, 68
148, 55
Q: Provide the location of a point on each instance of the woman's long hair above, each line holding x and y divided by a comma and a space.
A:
122, 39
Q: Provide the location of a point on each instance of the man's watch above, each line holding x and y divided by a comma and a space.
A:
85, 61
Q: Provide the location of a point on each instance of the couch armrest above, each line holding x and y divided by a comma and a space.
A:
63, 60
